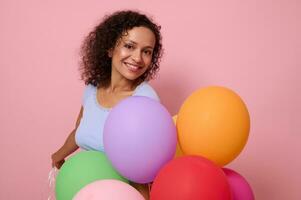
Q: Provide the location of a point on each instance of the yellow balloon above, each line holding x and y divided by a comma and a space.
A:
178, 150
213, 122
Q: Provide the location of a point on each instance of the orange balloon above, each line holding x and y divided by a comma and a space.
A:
178, 150
213, 122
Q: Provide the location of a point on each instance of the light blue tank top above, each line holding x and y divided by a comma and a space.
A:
89, 134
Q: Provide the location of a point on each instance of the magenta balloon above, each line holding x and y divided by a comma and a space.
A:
240, 188
139, 138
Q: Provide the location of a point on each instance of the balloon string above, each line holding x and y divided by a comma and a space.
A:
51, 182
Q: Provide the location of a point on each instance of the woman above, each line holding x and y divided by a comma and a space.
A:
118, 57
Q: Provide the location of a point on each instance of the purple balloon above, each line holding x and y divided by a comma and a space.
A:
240, 188
139, 138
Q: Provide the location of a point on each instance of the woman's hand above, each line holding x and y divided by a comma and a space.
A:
57, 160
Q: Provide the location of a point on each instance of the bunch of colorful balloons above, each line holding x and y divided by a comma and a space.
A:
183, 156
213, 127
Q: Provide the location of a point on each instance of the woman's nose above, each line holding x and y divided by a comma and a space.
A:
136, 56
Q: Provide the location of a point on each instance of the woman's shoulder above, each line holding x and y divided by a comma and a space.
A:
89, 88
145, 89
88, 91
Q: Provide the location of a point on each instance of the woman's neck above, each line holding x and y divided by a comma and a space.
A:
120, 84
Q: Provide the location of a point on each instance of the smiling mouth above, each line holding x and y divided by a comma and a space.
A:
133, 67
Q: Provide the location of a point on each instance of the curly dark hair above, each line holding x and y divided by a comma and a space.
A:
95, 65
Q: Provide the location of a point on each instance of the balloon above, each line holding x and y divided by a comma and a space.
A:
108, 190
82, 169
139, 138
213, 122
178, 148
240, 188
190, 177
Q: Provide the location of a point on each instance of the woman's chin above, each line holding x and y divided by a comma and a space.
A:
131, 76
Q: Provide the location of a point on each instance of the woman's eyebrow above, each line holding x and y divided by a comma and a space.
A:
131, 41
146, 47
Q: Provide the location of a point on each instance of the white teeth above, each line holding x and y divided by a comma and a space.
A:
132, 67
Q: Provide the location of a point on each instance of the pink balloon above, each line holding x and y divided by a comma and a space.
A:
240, 188
108, 190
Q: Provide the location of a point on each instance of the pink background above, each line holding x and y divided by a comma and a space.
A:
250, 46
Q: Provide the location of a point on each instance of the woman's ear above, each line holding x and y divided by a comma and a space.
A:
110, 53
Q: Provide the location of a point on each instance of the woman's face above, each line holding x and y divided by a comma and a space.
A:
133, 52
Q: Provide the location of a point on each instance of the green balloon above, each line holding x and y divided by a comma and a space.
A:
81, 169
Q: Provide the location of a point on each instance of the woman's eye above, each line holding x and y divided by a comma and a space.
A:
148, 52
128, 46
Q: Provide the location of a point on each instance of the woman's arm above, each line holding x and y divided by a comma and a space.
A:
58, 158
